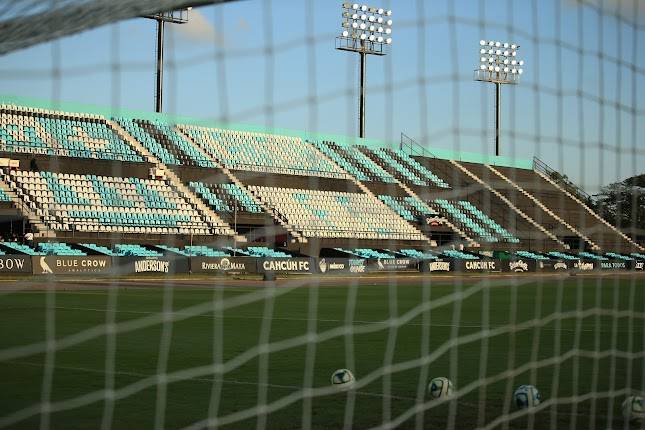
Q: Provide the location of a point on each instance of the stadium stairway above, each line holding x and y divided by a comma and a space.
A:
41, 230
256, 199
209, 215
578, 233
508, 202
588, 210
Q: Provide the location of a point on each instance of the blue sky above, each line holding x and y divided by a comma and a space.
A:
580, 106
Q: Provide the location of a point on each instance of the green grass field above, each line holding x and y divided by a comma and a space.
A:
488, 337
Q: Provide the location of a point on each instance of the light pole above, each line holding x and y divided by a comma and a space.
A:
498, 64
366, 30
173, 17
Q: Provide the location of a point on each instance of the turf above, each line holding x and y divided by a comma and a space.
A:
534, 336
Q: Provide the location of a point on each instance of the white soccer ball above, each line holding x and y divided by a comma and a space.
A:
342, 378
526, 396
634, 409
440, 387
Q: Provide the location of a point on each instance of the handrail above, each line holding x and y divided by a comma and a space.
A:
544, 168
414, 147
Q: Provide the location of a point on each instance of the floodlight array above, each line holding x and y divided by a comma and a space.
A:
367, 23
498, 61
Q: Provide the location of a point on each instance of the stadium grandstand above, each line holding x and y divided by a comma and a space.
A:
79, 177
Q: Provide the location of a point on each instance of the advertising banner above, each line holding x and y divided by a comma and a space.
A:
142, 265
615, 265
585, 265
341, 265
554, 265
393, 265
15, 264
639, 265
478, 266
59, 264
436, 266
223, 265
518, 265
286, 265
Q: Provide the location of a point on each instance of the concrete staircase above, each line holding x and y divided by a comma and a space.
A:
218, 225
36, 222
509, 203
588, 209
594, 246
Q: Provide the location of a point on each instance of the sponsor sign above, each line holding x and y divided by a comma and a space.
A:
154, 265
286, 265
518, 266
437, 266
55, 265
393, 264
341, 265
15, 264
584, 266
639, 265
482, 266
614, 265
554, 265
222, 265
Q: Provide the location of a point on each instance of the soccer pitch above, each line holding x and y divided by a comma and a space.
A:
248, 355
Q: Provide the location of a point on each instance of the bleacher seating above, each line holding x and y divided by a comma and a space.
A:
532, 255
259, 251
225, 197
409, 208
462, 219
110, 204
134, 250
354, 162
489, 222
592, 256
366, 253
406, 168
4, 197
98, 248
619, 256
56, 248
203, 251
562, 255
334, 214
419, 255
453, 253
638, 255
262, 152
21, 248
63, 134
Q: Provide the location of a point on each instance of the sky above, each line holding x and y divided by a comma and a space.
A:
580, 105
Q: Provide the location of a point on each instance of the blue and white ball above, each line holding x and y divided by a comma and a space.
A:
526, 397
634, 409
343, 379
440, 388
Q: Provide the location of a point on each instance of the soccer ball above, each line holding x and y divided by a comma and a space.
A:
634, 409
342, 378
526, 396
440, 388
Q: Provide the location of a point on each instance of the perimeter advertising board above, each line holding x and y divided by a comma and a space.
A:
150, 265
393, 265
60, 265
15, 264
341, 265
436, 266
518, 265
286, 265
478, 266
554, 265
585, 265
223, 265
639, 265
615, 265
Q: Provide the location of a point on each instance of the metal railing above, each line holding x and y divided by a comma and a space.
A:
562, 180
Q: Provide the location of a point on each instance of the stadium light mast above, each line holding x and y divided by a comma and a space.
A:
173, 17
367, 30
498, 64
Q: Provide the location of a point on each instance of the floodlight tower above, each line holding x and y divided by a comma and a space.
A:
366, 30
498, 64
173, 17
